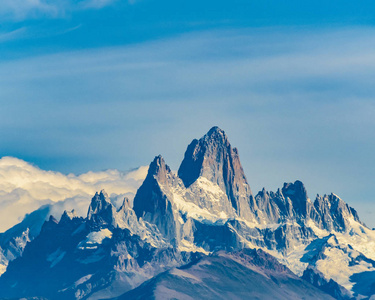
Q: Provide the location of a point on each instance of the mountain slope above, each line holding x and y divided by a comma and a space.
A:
13, 241
247, 274
79, 258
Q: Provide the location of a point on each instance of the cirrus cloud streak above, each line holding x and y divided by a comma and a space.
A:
18, 10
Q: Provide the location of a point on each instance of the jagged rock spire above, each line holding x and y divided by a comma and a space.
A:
67, 216
101, 210
144, 200
206, 157
297, 193
334, 213
99, 203
201, 155
151, 203
213, 157
159, 169
125, 204
50, 225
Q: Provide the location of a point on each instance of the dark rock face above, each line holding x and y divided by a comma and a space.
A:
150, 202
212, 237
101, 211
191, 166
296, 192
269, 207
333, 213
35, 278
214, 158
364, 283
331, 287
149, 197
289, 203
14, 240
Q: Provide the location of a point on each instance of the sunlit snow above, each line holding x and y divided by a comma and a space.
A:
94, 239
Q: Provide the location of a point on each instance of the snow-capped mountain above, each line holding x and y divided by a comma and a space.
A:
25, 187
93, 256
13, 241
204, 213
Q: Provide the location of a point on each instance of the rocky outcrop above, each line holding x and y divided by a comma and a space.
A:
289, 203
292, 203
213, 158
153, 205
333, 213
101, 211
14, 240
330, 287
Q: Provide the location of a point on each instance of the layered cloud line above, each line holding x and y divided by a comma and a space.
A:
24, 188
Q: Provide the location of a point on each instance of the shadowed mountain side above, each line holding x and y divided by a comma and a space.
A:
331, 287
247, 274
152, 204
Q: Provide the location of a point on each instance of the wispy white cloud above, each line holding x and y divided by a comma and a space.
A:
21, 9
30, 9
24, 188
95, 4
11, 35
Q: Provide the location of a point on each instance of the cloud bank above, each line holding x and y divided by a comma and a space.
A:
24, 188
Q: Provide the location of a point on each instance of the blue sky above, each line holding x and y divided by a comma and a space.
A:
98, 84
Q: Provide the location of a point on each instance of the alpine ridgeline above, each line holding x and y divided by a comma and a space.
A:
184, 228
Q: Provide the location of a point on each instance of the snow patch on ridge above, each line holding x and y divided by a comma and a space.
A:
292, 259
82, 280
186, 207
189, 246
3, 262
336, 266
358, 237
211, 189
192, 210
55, 257
208, 207
94, 239
181, 273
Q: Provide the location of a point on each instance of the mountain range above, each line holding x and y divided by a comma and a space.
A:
198, 233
